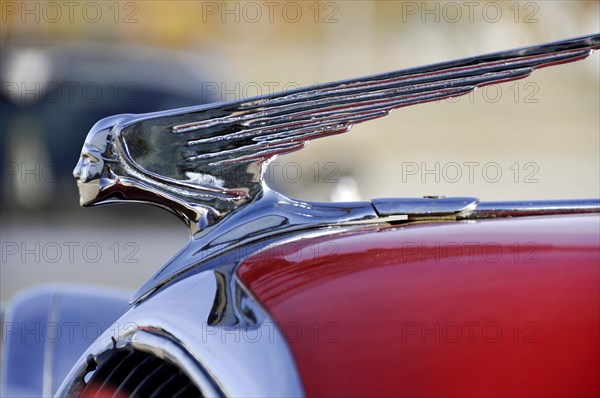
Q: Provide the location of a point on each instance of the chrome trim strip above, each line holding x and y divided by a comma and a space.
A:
533, 208
425, 206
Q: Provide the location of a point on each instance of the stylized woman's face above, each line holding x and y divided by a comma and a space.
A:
90, 169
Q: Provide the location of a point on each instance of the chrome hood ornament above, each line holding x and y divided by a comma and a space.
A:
206, 163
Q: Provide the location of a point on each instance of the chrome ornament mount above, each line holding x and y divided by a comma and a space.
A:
206, 163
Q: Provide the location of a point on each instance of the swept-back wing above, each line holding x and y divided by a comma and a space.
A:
207, 141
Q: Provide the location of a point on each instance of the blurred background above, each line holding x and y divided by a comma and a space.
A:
65, 65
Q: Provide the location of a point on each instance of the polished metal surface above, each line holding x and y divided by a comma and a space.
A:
210, 326
271, 214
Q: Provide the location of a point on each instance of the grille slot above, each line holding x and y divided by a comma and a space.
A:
130, 373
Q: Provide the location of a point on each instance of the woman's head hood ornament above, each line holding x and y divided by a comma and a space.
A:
207, 162
204, 162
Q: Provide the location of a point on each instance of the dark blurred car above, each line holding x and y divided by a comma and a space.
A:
52, 93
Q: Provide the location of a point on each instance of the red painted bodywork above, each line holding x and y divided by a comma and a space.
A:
490, 308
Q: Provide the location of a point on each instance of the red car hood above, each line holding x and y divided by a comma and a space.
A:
491, 308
